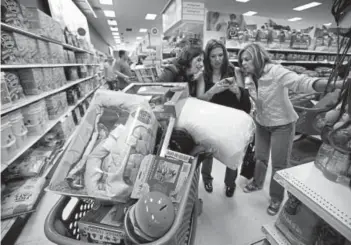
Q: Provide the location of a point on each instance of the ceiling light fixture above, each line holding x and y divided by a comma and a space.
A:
295, 19
106, 2
112, 22
327, 24
115, 33
114, 29
109, 13
250, 13
139, 38
307, 6
143, 30
243, 1
150, 16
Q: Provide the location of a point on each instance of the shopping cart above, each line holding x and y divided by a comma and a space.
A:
65, 231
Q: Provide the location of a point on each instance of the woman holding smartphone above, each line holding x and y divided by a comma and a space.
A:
221, 83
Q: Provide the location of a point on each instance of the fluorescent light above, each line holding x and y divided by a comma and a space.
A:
150, 16
243, 1
109, 13
114, 29
143, 30
139, 38
112, 22
250, 13
295, 19
107, 2
307, 6
328, 24
115, 33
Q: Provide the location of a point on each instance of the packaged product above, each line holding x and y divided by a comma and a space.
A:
83, 72
33, 56
216, 128
49, 78
11, 14
104, 225
21, 197
32, 80
5, 94
37, 21
44, 51
118, 132
56, 105
18, 128
299, 224
11, 48
8, 139
71, 73
66, 127
14, 87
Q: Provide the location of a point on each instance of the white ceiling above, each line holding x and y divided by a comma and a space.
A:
131, 14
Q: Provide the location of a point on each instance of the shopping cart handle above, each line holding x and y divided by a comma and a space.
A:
56, 215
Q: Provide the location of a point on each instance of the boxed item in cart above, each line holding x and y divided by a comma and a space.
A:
13, 85
32, 80
161, 174
117, 133
11, 14
104, 225
5, 94
164, 96
21, 197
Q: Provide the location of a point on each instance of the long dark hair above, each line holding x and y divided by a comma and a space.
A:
183, 61
211, 45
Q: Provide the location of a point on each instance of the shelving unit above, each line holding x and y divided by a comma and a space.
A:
331, 201
6, 27
296, 62
31, 99
3, 67
316, 52
33, 139
274, 236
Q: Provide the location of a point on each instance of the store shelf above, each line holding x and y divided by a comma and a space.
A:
6, 27
294, 51
44, 65
331, 201
297, 62
33, 139
274, 236
32, 99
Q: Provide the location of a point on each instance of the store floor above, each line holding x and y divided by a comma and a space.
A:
236, 220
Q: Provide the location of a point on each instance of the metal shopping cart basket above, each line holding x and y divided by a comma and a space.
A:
183, 231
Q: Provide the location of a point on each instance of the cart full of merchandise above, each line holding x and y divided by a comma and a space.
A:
165, 144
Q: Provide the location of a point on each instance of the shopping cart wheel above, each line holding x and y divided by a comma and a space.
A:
199, 206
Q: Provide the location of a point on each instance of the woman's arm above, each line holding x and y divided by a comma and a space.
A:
200, 90
321, 84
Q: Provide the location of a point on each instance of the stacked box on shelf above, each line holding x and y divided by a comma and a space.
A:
57, 53
5, 94
83, 58
11, 14
56, 105
71, 57
14, 87
37, 21
44, 51
71, 73
82, 72
32, 81
49, 79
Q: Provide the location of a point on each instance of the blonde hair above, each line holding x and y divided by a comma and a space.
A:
260, 57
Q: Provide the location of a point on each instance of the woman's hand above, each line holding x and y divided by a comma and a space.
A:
219, 87
235, 89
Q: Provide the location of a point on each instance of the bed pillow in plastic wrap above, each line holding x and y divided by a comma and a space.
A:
225, 132
103, 159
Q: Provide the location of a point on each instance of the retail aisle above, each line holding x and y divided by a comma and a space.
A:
236, 220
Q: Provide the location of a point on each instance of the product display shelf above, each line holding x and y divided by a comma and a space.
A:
293, 51
3, 67
33, 139
32, 35
274, 236
32, 99
329, 200
297, 62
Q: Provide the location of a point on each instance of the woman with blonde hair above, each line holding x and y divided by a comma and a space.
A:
275, 118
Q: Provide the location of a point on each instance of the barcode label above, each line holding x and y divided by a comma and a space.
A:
179, 156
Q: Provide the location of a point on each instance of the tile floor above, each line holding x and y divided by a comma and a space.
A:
235, 220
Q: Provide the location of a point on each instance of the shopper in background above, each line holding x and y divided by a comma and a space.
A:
109, 72
186, 68
275, 115
213, 87
122, 69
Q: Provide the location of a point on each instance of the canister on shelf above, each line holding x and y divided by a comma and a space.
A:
8, 139
18, 128
33, 114
32, 80
5, 94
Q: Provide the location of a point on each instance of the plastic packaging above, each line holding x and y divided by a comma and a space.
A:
225, 132
8, 140
117, 128
5, 94
18, 128
14, 87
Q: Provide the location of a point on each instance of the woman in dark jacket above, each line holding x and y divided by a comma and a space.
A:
214, 87
186, 67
